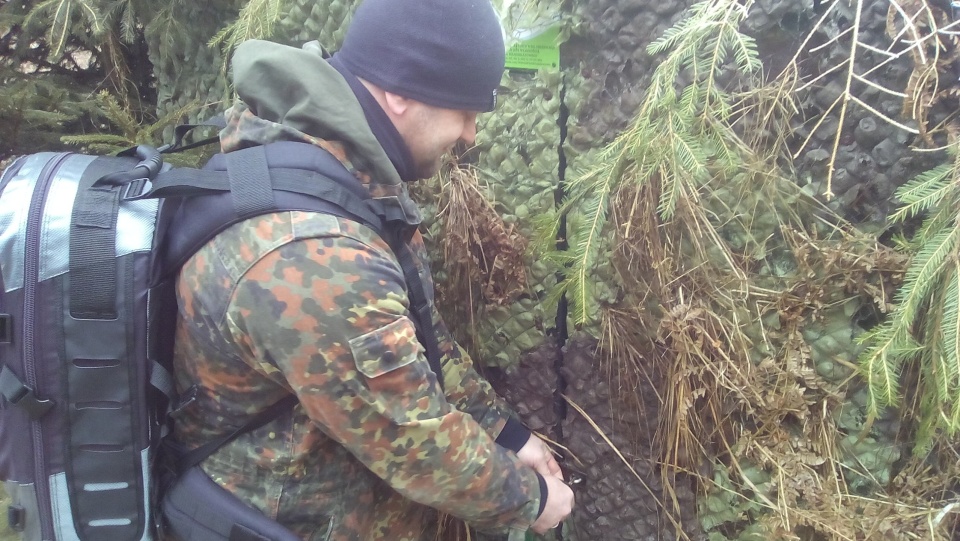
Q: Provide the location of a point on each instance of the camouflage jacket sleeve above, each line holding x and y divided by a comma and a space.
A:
327, 309
467, 390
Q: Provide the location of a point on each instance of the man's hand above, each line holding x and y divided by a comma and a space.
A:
537, 455
559, 505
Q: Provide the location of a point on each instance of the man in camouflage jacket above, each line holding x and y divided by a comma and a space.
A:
315, 305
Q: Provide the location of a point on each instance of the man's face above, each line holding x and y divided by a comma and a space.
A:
433, 131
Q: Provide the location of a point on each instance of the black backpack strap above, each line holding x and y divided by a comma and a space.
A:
419, 304
251, 185
93, 231
101, 411
181, 131
294, 167
196, 456
198, 509
315, 181
194, 182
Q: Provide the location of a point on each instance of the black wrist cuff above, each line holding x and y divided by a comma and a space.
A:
543, 494
513, 436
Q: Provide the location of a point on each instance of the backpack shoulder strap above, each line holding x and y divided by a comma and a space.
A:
200, 204
281, 176
420, 307
263, 179
195, 456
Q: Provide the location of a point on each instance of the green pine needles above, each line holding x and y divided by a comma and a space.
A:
257, 20
58, 17
127, 130
89, 21
925, 323
679, 140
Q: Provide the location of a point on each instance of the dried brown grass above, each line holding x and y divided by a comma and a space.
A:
724, 407
481, 256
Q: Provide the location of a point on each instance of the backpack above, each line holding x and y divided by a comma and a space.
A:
90, 247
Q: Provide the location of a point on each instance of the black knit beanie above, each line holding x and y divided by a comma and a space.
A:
445, 53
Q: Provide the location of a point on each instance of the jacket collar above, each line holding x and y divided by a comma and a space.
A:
383, 129
294, 94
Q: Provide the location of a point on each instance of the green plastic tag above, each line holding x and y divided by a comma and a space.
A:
537, 52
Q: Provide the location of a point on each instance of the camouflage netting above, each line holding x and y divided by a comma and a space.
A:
306, 20
623, 495
518, 154
606, 69
516, 162
874, 157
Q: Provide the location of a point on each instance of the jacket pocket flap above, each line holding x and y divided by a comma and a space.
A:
386, 349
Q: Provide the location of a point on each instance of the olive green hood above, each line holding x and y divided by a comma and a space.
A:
294, 94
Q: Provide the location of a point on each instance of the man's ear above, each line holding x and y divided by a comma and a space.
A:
395, 104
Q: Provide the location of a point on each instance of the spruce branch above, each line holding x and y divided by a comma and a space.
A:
257, 20
924, 273
925, 323
923, 192
679, 138
880, 364
947, 367
917, 34
61, 15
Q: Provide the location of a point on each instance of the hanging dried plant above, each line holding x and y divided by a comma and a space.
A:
479, 249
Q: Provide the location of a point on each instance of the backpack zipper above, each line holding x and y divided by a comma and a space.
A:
31, 276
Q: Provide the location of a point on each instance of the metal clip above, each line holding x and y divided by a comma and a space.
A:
186, 399
574, 477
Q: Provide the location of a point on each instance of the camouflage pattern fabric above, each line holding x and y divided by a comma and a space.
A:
315, 305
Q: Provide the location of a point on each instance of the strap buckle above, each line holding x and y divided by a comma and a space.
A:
22, 395
6, 328
187, 398
26, 400
17, 518
135, 188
